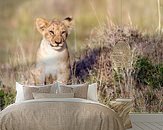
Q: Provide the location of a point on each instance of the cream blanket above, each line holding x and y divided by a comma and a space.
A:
59, 114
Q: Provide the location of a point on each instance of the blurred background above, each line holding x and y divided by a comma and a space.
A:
17, 19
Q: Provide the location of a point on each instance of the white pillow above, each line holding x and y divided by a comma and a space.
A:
20, 91
19, 94
92, 92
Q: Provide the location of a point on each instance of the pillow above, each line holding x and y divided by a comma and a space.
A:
19, 94
27, 91
50, 95
79, 90
54, 87
20, 90
92, 92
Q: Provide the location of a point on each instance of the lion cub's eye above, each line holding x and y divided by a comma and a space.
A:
63, 32
51, 32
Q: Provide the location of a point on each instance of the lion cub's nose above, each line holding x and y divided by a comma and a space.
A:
58, 42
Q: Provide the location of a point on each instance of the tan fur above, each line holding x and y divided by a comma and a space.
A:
53, 52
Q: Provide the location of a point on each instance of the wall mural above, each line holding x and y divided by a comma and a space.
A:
103, 42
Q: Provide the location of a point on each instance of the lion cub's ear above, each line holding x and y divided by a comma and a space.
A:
41, 24
68, 21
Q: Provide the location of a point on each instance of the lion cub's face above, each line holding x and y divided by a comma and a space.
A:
54, 31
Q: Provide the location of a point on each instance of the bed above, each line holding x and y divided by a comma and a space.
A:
59, 114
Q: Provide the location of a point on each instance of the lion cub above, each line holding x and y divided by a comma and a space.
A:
53, 52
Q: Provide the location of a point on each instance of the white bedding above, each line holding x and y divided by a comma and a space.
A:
59, 114
79, 100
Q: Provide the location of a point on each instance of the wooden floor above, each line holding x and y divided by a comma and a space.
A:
147, 126
147, 121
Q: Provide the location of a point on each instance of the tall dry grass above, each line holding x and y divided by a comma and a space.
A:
109, 60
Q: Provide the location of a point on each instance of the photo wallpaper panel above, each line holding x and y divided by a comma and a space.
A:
117, 44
